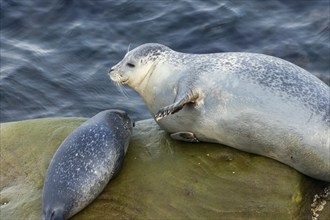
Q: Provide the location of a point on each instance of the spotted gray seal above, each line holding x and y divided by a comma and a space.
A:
253, 102
84, 163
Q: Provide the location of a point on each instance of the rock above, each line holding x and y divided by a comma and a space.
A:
161, 178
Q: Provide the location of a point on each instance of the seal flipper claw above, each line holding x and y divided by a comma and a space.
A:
184, 136
168, 110
182, 99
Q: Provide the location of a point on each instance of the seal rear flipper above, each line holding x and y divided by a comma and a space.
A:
184, 136
181, 100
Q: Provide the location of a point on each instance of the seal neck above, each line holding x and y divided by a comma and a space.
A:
143, 84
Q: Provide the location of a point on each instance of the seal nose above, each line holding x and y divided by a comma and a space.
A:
111, 69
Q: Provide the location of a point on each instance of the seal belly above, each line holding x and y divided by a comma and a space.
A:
285, 132
244, 117
282, 142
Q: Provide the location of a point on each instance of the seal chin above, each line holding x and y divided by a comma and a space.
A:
125, 81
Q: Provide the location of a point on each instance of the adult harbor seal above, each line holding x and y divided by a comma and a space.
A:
84, 163
253, 102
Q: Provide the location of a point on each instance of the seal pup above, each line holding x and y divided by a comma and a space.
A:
252, 102
84, 163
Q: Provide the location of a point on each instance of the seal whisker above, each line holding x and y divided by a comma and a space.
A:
129, 45
122, 89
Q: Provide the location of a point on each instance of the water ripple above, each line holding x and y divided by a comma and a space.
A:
55, 55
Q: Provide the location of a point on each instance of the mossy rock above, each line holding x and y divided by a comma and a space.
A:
161, 178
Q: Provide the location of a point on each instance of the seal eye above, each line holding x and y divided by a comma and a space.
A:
130, 65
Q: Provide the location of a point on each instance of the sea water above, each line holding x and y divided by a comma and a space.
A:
55, 54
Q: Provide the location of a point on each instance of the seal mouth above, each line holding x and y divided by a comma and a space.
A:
118, 78
125, 81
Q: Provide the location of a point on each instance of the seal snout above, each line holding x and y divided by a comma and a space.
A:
53, 214
111, 69
112, 74
116, 76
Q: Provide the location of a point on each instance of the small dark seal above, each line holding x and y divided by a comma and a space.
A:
84, 163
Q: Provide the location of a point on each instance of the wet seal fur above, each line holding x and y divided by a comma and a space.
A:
252, 102
84, 163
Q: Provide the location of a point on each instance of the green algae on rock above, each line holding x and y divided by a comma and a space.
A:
26, 150
161, 178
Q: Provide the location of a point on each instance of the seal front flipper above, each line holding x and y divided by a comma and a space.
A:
184, 136
189, 95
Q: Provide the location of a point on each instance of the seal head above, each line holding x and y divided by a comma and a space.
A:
138, 64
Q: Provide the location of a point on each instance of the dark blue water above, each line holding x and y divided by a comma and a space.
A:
55, 54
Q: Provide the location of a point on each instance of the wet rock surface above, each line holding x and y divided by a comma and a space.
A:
161, 178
